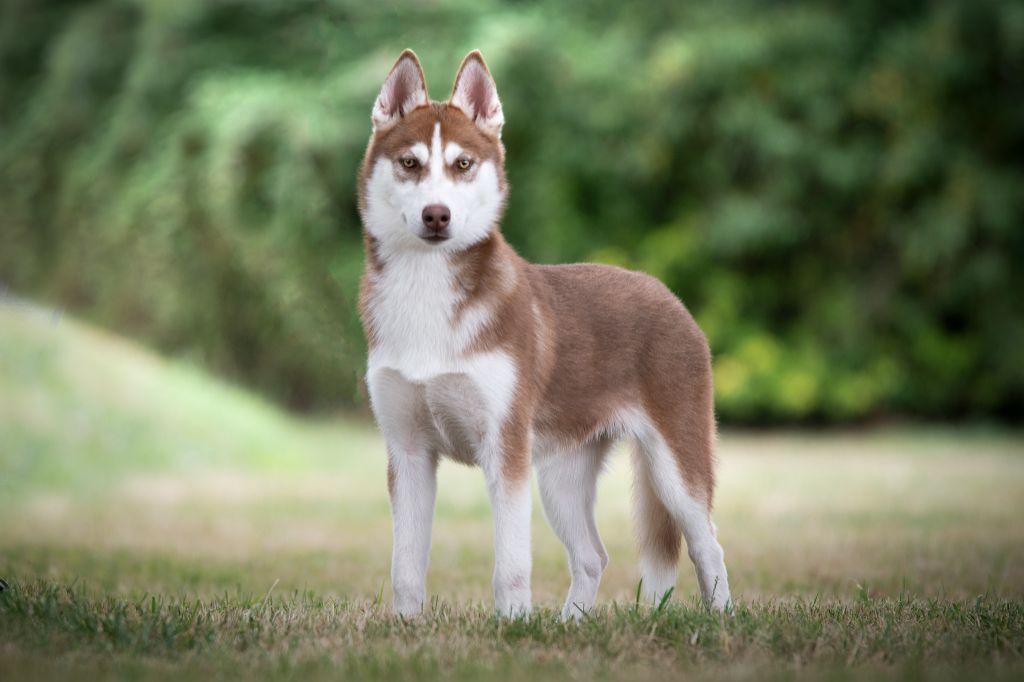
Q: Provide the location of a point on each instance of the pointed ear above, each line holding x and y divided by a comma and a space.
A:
476, 94
404, 90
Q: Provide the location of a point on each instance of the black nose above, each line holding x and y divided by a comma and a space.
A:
436, 217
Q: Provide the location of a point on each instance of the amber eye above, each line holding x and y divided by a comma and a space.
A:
410, 161
463, 163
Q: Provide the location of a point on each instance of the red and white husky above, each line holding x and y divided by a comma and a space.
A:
481, 356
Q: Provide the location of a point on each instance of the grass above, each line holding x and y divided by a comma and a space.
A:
265, 636
160, 524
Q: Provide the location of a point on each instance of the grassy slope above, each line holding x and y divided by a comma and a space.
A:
137, 477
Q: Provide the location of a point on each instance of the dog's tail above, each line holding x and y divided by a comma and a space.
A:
658, 534
673, 465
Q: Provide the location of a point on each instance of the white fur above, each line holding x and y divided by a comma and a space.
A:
416, 429
657, 572
568, 490
413, 315
421, 152
452, 151
413, 466
513, 559
658, 578
510, 501
394, 204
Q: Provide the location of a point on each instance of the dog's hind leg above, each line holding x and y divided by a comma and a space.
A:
568, 490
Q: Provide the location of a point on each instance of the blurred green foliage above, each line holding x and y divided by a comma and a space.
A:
833, 188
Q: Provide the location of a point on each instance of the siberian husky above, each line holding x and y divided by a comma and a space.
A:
478, 355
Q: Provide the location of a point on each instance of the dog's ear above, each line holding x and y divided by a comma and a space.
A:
404, 90
476, 94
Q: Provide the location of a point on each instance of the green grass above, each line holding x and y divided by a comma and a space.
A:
159, 524
267, 635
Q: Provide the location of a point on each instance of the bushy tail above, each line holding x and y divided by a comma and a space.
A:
668, 510
658, 535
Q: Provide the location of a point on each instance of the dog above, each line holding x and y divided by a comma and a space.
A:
480, 356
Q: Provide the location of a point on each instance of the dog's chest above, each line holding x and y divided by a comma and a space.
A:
420, 326
422, 372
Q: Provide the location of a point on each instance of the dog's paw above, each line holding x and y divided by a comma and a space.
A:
407, 605
574, 612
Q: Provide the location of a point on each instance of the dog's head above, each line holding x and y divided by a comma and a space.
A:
433, 177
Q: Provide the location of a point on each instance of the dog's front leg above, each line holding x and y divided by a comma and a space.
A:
400, 409
507, 469
412, 484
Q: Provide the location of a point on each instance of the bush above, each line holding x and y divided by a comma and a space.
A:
833, 189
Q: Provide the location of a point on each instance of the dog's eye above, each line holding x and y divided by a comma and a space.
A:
410, 161
463, 163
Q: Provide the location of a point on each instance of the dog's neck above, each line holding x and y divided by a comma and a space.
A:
472, 268
422, 308
411, 291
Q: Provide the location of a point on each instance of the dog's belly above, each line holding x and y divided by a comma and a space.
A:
455, 413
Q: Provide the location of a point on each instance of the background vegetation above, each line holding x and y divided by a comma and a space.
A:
834, 188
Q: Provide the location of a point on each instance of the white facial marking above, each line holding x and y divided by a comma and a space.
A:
395, 201
436, 157
452, 151
420, 151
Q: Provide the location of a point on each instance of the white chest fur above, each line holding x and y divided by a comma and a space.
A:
413, 312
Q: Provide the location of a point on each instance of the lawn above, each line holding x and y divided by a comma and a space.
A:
159, 524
